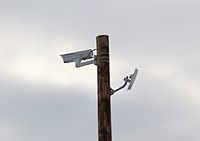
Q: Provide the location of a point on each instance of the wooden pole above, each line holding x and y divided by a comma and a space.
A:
104, 92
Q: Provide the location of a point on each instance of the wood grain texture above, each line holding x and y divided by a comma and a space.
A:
104, 92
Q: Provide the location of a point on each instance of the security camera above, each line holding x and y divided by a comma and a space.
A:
77, 57
80, 55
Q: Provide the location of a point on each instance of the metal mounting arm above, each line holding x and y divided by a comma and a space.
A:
79, 64
126, 81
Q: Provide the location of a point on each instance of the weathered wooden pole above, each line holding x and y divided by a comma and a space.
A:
104, 92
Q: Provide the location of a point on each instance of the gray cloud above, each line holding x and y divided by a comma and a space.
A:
157, 111
44, 113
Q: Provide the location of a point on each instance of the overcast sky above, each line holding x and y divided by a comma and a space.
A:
43, 99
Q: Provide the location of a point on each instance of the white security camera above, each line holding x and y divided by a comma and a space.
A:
77, 57
80, 55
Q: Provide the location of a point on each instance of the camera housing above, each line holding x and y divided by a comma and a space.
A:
80, 55
77, 57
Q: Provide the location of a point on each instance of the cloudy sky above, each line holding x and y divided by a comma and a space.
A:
42, 99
